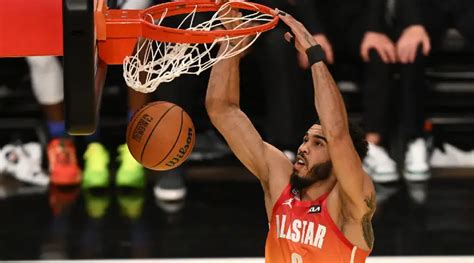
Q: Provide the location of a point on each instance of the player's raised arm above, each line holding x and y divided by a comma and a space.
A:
354, 184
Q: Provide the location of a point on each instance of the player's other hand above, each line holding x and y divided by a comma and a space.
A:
303, 39
381, 43
227, 16
325, 45
408, 43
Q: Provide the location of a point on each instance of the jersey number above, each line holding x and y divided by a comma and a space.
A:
296, 258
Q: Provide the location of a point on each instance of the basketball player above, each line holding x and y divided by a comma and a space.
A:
319, 208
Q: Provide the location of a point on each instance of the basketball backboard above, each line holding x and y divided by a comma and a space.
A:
60, 28
84, 72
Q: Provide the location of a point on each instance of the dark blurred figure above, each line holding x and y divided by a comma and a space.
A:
439, 16
410, 28
396, 42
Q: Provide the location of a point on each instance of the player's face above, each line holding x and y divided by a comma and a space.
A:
313, 155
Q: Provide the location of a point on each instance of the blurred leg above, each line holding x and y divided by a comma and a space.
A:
47, 84
377, 97
377, 101
413, 97
412, 118
136, 100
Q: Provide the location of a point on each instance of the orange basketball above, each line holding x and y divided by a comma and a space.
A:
161, 136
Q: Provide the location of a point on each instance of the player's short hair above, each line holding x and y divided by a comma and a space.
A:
358, 138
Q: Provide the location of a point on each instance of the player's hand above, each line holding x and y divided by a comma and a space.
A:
325, 45
303, 39
408, 43
381, 43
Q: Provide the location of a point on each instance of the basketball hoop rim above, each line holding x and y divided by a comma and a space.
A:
169, 34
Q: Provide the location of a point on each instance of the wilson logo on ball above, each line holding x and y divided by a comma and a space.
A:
183, 150
141, 127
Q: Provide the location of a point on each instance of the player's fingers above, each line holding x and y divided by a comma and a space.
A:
278, 12
287, 19
296, 27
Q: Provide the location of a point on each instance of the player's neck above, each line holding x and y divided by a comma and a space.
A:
317, 189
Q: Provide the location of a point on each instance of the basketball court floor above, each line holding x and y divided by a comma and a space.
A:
222, 219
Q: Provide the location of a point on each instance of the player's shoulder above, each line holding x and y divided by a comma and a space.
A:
277, 158
278, 164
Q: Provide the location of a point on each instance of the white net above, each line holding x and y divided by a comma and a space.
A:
156, 62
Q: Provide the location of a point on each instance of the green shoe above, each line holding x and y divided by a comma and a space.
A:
96, 204
130, 173
96, 171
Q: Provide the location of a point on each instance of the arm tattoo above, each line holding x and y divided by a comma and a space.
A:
366, 221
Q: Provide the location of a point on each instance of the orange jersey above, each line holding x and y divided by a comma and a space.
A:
303, 232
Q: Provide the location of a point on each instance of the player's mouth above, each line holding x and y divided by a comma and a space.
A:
300, 162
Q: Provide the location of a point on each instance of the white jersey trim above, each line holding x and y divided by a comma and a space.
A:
354, 249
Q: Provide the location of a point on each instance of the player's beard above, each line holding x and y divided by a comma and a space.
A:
319, 172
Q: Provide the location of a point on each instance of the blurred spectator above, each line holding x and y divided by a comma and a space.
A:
395, 40
389, 36
406, 23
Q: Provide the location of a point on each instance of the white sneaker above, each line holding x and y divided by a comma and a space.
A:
24, 163
440, 159
379, 166
462, 158
416, 161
